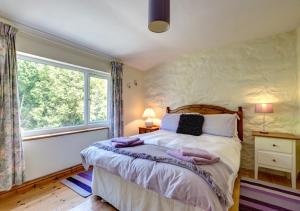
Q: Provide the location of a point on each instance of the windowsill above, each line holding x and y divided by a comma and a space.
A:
35, 137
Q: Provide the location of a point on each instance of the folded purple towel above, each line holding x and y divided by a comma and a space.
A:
125, 140
193, 159
120, 144
186, 151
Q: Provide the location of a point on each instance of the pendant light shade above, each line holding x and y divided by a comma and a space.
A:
159, 15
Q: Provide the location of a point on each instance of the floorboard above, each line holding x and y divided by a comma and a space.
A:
57, 197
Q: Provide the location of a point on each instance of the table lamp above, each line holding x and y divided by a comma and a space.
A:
149, 114
264, 108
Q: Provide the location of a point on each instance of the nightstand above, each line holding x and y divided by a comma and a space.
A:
278, 151
148, 129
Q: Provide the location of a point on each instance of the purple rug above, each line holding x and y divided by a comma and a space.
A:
259, 195
80, 183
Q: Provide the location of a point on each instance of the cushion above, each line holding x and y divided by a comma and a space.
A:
170, 122
220, 124
190, 124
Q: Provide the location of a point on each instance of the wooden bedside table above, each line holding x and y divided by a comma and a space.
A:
148, 129
278, 151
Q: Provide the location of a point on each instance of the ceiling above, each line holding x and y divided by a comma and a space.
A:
118, 28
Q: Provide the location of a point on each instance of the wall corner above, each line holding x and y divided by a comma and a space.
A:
298, 73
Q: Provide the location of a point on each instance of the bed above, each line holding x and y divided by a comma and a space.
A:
126, 195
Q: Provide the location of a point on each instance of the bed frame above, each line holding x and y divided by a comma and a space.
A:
211, 109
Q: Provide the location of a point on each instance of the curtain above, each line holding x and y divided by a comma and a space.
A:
116, 117
11, 152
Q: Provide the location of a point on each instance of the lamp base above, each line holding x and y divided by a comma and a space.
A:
149, 123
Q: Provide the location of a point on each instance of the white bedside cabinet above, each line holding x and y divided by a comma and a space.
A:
278, 151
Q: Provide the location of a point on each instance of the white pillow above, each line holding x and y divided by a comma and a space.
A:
170, 122
220, 124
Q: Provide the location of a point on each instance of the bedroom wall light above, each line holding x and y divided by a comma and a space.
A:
135, 83
149, 114
159, 15
264, 108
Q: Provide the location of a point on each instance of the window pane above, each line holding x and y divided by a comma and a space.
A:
98, 99
50, 97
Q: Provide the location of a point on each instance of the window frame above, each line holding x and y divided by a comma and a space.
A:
87, 73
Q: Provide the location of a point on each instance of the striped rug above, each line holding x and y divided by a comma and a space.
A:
80, 183
259, 195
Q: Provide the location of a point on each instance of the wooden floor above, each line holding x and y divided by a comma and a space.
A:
55, 196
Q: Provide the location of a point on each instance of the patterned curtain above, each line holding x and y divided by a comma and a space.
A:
11, 152
116, 117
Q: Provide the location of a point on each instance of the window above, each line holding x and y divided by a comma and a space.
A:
57, 96
98, 100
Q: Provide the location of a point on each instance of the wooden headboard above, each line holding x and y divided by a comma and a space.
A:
211, 109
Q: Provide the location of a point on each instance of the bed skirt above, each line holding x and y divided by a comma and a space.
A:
127, 196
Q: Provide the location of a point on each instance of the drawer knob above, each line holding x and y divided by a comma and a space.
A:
274, 145
274, 160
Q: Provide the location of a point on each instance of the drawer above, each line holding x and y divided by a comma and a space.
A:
275, 159
274, 144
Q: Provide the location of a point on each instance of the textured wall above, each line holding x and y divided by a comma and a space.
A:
263, 70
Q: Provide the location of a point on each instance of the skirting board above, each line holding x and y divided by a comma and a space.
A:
41, 180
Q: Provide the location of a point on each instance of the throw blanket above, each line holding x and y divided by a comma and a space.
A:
173, 183
126, 142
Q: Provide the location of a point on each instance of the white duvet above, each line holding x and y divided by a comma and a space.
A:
228, 149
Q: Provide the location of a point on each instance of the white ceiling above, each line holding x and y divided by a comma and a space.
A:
119, 27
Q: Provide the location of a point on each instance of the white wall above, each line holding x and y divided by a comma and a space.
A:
46, 156
263, 70
47, 48
298, 60
49, 155
133, 100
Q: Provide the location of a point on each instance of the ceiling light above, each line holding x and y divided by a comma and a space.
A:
159, 15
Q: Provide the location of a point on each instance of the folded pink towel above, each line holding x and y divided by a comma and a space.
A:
186, 151
120, 144
193, 159
125, 140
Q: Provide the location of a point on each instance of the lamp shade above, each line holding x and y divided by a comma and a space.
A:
159, 15
264, 108
148, 113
